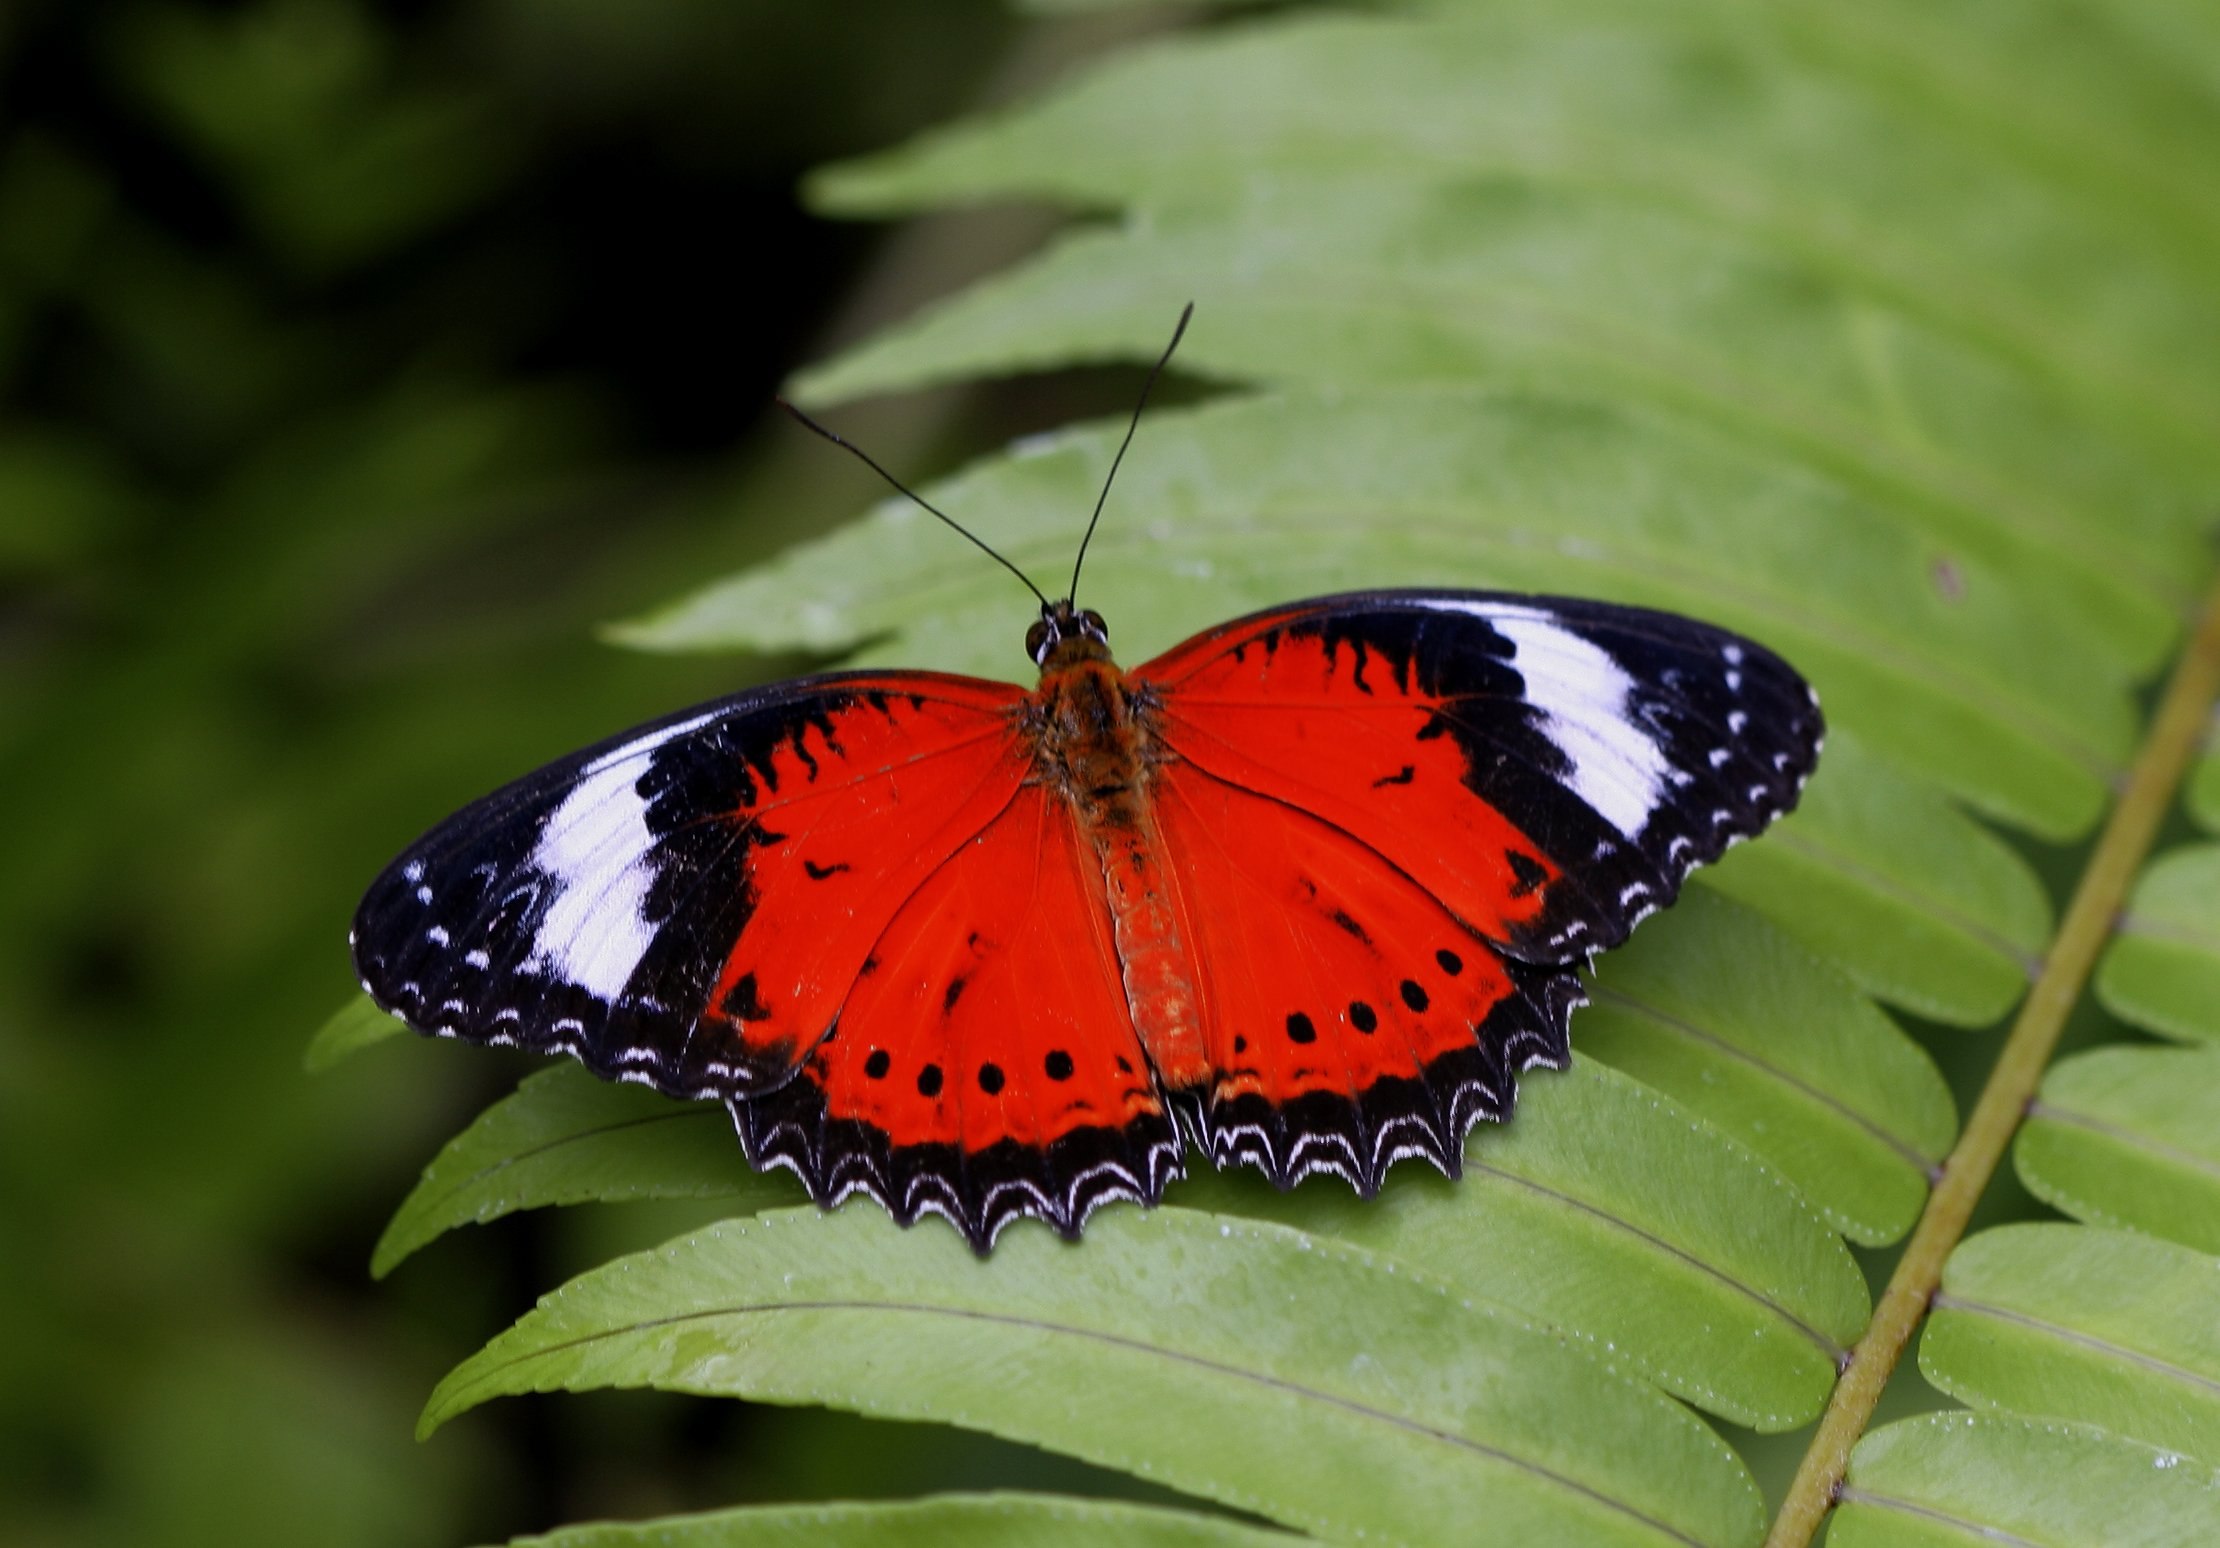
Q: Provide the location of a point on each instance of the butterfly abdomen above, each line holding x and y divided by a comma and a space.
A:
1096, 746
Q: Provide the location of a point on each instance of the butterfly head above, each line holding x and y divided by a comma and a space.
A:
1065, 633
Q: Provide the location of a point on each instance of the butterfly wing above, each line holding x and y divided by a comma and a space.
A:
985, 1066
688, 905
852, 908
1551, 769
1349, 1018
1404, 820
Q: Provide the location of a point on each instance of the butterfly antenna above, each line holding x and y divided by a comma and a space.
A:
1154, 372
866, 459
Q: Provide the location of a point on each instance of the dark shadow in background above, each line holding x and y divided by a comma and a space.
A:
356, 360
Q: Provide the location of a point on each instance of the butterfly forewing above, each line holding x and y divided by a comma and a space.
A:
689, 904
1549, 769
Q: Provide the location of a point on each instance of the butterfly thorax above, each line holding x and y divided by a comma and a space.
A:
1094, 738
1096, 743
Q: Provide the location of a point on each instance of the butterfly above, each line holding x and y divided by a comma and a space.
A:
1306, 892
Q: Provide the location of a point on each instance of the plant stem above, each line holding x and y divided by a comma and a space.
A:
2174, 736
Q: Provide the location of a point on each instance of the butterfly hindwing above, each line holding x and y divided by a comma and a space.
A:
1352, 1020
688, 904
1549, 769
984, 1066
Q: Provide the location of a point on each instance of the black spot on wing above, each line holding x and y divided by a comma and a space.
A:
741, 1002
1358, 1136
1527, 873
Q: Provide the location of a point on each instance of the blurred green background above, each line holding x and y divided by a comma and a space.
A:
358, 359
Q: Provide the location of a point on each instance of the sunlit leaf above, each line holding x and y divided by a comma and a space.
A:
1234, 1360
1253, 502
1950, 1479
947, 1521
2103, 1327
1919, 904
1850, 159
1748, 1301
353, 1027
1723, 1012
2162, 970
568, 1138
1497, 284
2130, 1137
2204, 793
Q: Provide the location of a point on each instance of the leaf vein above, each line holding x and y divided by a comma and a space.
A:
485, 1375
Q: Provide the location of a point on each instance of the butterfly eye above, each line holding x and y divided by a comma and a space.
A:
1091, 624
1038, 639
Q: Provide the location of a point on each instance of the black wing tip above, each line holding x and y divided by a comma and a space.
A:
1717, 732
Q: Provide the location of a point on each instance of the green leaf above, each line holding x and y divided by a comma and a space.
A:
1234, 1360
566, 1137
1750, 1298
1728, 1015
1266, 498
945, 1521
1257, 500
2103, 1327
2204, 793
1700, 107
2130, 1137
353, 1027
1882, 333
1747, 1299
2162, 970
1947, 1480
1584, 295
1919, 904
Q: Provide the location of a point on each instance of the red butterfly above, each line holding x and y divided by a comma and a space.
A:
1310, 889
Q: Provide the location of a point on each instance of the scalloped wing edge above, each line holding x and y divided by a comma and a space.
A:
1354, 1138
